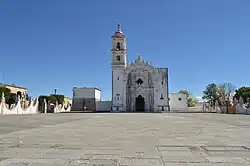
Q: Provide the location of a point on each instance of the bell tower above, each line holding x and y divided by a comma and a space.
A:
119, 57
119, 63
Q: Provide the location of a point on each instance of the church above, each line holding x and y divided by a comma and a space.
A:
138, 86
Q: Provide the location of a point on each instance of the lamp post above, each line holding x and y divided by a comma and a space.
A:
55, 90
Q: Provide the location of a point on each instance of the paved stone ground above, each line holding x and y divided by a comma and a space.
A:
125, 139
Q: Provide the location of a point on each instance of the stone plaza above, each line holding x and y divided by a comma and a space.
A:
125, 139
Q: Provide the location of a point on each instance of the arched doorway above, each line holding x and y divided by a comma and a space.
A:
139, 104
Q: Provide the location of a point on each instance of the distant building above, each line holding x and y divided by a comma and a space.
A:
20, 91
68, 100
178, 102
85, 99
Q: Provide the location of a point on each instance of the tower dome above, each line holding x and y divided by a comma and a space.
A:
119, 33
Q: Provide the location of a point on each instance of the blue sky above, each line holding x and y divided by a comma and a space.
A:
47, 44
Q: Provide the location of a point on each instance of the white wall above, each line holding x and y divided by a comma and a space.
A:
97, 95
103, 105
118, 91
160, 89
86, 93
178, 102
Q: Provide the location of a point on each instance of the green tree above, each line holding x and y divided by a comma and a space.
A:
41, 102
211, 93
243, 92
27, 97
185, 92
41, 98
51, 99
190, 99
225, 90
218, 93
59, 98
10, 98
4, 90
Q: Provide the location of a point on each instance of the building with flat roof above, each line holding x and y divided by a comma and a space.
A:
85, 98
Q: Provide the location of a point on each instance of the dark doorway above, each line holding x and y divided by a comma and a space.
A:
139, 104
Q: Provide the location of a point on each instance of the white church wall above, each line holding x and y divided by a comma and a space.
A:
160, 89
178, 102
103, 105
119, 94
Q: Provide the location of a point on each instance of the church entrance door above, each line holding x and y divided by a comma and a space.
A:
139, 104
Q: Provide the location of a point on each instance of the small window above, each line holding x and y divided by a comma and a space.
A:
139, 81
117, 78
162, 82
179, 99
118, 96
118, 46
118, 58
162, 97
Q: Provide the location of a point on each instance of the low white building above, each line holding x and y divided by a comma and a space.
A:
178, 102
85, 99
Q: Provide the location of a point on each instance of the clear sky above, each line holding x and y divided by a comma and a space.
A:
47, 44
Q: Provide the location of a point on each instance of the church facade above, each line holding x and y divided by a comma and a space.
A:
138, 86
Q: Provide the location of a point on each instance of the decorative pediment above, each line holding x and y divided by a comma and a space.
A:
139, 64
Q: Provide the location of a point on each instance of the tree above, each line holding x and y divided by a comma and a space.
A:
59, 98
243, 92
185, 92
218, 93
225, 91
4, 90
191, 101
211, 93
10, 98
41, 102
27, 97
51, 99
